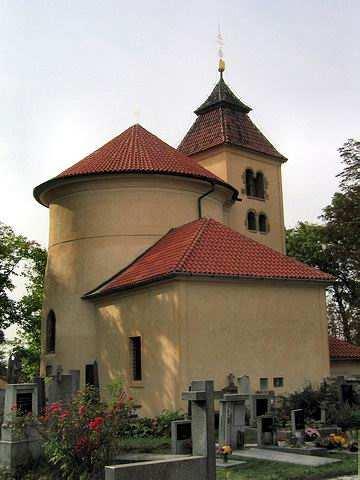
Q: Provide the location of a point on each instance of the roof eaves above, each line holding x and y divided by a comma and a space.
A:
186, 274
46, 186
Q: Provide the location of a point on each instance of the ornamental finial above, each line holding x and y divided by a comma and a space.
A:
220, 42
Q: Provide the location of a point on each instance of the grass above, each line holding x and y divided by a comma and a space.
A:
266, 470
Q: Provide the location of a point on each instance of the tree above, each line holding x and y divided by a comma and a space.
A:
335, 246
20, 257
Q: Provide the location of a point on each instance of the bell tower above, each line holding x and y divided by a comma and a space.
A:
224, 140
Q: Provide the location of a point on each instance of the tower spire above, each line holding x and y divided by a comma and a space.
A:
220, 42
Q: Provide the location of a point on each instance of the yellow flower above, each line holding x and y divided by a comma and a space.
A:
227, 449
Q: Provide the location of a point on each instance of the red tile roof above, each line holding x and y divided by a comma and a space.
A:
206, 247
223, 119
341, 350
136, 150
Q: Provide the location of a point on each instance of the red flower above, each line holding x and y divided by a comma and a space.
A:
96, 424
14, 408
81, 444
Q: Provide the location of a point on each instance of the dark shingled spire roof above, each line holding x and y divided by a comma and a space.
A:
222, 96
223, 119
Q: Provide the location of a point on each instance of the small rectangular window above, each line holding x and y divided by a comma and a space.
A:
90, 374
135, 358
278, 382
264, 384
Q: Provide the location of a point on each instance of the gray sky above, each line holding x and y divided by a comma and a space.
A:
72, 74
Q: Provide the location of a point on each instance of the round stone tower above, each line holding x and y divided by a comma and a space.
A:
104, 211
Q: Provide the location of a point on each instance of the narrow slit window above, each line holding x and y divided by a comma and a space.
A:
250, 183
50, 332
251, 221
259, 185
135, 358
263, 225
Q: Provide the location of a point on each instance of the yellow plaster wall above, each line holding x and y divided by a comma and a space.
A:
152, 314
196, 330
230, 165
98, 226
344, 368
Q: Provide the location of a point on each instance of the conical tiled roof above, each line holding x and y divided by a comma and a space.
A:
207, 248
223, 119
136, 150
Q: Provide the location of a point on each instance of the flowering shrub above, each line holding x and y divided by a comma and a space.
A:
82, 436
311, 434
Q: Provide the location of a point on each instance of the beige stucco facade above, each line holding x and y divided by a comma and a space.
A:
230, 164
207, 329
98, 226
346, 368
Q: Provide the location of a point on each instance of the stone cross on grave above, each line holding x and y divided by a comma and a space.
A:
202, 397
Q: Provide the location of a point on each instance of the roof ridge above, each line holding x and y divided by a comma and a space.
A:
185, 256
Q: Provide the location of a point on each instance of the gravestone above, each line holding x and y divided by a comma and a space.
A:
323, 412
62, 386
181, 437
202, 428
298, 424
260, 404
244, 385
16, 448
230, 387
266, 433
232, 421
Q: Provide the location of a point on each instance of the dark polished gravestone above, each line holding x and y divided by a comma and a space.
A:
181, 437
266, 431
298, 424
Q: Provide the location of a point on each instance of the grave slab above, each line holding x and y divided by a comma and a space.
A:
263, 454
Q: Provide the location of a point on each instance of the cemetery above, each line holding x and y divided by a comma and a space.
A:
160, 316
235, 434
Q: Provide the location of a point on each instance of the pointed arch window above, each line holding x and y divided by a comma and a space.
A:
263, 223
50, 332
259, 185
250, 183
251, 221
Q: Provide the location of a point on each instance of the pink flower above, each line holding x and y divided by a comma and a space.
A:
82, 410
54, 408
14, 408
64, 415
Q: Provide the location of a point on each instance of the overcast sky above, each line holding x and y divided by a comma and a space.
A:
73, 74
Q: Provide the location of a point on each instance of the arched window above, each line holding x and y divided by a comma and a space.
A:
263, 224
250, 183
251, 221
50, 332
259, 185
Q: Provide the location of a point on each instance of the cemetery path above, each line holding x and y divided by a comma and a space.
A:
262, 454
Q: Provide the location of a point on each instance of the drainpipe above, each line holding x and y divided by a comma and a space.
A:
203, 196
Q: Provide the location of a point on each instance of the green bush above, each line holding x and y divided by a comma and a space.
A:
152, 427
346, 417
310, 399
